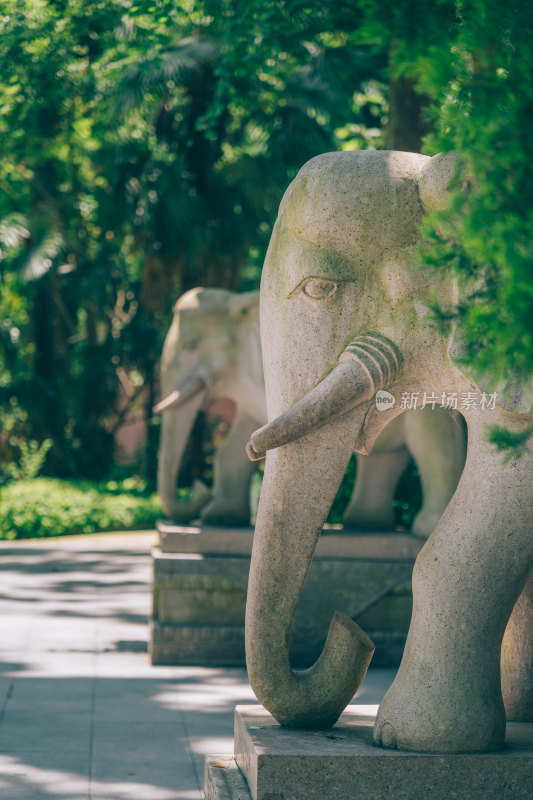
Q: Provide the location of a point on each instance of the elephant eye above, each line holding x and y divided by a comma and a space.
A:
319, 288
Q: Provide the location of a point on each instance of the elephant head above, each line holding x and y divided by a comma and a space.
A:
344, 315
209, 351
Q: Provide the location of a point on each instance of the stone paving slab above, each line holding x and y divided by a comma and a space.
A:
83, 713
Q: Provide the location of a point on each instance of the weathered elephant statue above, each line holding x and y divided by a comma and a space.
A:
345, 317
211, 350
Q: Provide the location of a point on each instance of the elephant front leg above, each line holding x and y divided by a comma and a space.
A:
371, 506
230, 504
467, 578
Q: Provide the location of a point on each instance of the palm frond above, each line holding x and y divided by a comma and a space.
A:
176, 62
38, 258
305, 88
13, 232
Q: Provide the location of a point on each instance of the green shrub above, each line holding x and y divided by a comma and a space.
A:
50, 507
32, 455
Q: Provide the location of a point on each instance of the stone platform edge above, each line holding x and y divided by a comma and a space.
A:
332, 544
344, 764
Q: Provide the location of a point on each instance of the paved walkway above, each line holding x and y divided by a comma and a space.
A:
83, 715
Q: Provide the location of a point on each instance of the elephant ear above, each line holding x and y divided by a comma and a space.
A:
242, 304
434, 179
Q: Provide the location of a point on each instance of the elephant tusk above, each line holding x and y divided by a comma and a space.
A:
345, 387
371, 362
178, 397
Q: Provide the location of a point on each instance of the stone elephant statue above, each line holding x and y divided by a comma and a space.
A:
344, 319
213, 349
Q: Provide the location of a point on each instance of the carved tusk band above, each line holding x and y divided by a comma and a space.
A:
378, 355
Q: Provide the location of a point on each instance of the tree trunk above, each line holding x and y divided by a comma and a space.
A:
407, 125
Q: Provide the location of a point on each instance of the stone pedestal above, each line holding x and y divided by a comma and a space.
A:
342, 763
200, 582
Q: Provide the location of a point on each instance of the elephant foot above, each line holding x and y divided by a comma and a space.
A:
184, 512
221, 515
453, 718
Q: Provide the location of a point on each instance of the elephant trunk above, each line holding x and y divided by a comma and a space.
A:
301, 480
369, 363
175, 431
300, 484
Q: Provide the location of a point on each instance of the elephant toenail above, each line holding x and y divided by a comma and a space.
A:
388, 736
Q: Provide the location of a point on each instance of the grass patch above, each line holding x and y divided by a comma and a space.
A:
43, 507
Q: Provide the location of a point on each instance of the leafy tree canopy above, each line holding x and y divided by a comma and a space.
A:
146, 147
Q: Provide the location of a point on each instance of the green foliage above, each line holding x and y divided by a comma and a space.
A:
145, 151
471, 61
31, 459
513, 445
49, 507
479, 77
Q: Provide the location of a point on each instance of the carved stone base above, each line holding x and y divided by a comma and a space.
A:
201, 577
343, 763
